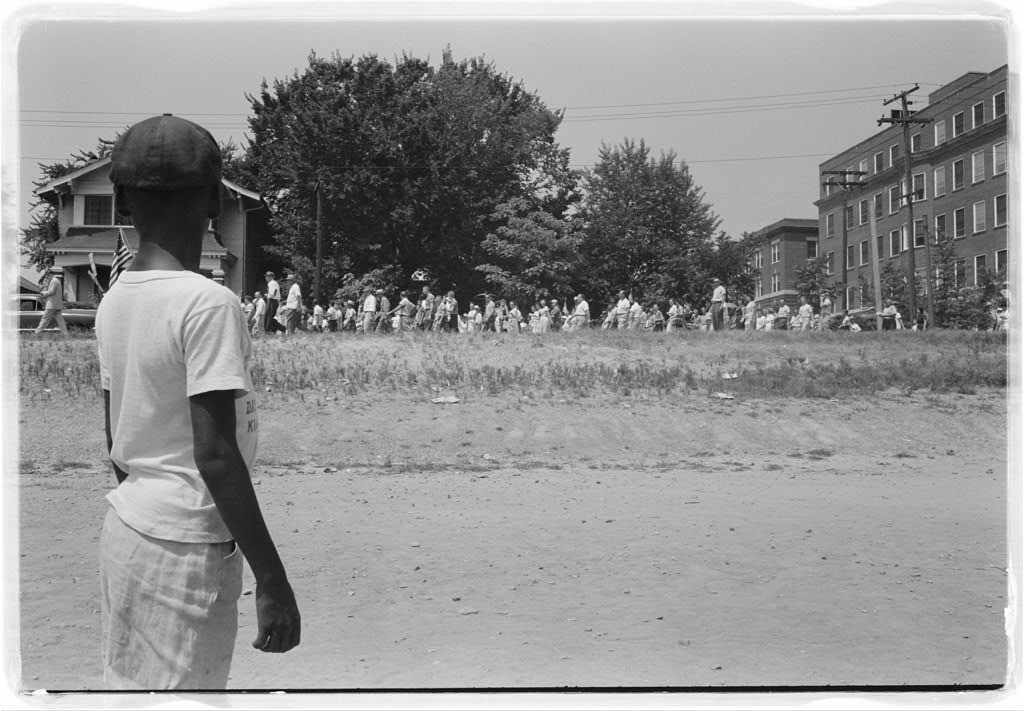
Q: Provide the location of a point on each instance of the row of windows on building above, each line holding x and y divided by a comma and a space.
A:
860, 214
959, 276
958, 128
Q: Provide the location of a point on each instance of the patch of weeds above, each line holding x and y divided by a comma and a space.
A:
820, 453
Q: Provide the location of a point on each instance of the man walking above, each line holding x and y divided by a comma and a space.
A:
717, 306
181, 424
258, 315
270, 324
293, 303
53, 306
622, 311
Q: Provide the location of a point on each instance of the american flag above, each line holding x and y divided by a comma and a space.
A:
122, 257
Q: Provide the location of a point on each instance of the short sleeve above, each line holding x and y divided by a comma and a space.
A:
213, 339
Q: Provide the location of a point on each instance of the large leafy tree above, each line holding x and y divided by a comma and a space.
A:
411, 163
646, 226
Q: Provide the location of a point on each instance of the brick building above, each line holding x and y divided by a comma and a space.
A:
959, 168
782, 246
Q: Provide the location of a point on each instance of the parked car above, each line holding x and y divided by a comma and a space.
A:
30, 309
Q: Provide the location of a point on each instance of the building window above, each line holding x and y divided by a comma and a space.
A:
894, 199
775, 282
958, 174
850, 254
918, 187
959, 273
999, 158
915, 143
812, 249
879, 208
758, 259
977, 166
939, 183
919, 233
979, 268
903, 238
851, 293
863, 168
849, 217
999, 104
979, 217
830, 225
880, 246
940, 132
865, 213
894, 243
999, 213
99, 210
1001, 261
959, 223
978, 114
879, 162
830, 263
775, 252
940, 227
958, 124
758, 289
894, 154
865, 252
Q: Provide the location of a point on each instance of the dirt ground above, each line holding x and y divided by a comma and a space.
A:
503, 542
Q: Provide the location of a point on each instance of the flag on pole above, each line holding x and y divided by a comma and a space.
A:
123, 256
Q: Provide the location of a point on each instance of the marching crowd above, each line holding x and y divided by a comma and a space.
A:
281, 310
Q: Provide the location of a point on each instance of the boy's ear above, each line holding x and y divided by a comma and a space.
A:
120, 203
214, 206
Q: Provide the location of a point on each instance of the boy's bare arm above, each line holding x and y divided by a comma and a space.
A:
223, 469
121, 476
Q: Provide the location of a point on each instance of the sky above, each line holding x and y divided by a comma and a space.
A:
752, 104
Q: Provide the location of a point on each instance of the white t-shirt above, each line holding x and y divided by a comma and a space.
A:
294, 300
273, 290
261, 309
370, 303
164, 336
718, 294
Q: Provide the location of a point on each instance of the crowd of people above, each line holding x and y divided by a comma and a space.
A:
373, 312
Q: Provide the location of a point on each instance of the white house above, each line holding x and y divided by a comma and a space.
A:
89, 226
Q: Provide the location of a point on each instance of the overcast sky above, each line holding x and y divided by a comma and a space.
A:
752, 105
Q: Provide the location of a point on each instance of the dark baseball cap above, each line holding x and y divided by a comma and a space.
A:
165, 153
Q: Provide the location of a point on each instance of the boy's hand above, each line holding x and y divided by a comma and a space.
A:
277, 618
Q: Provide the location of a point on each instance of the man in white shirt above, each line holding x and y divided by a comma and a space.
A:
622, 311
53, 306
580, 314
294, 304
717, 306
258, 315
270, 324
181, 424
369, 312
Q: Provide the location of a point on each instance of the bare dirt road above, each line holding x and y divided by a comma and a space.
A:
499, 543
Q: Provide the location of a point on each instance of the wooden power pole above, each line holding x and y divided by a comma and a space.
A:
905, 119
847, 180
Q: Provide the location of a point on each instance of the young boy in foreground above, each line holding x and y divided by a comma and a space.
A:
181, 427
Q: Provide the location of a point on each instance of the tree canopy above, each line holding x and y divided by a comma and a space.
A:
412, 162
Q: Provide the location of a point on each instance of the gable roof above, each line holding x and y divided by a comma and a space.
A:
53, 186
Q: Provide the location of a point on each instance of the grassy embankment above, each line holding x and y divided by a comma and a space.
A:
585, 365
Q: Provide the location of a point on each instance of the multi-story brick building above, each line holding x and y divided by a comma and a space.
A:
959, 168
782, 246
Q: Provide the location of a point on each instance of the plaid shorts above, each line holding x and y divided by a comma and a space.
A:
170, 610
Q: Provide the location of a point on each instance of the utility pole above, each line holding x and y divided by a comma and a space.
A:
905, 120
318, 281
847, 185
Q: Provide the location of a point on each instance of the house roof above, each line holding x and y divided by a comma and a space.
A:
788, 224
102, 241
24, 285
95, 165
